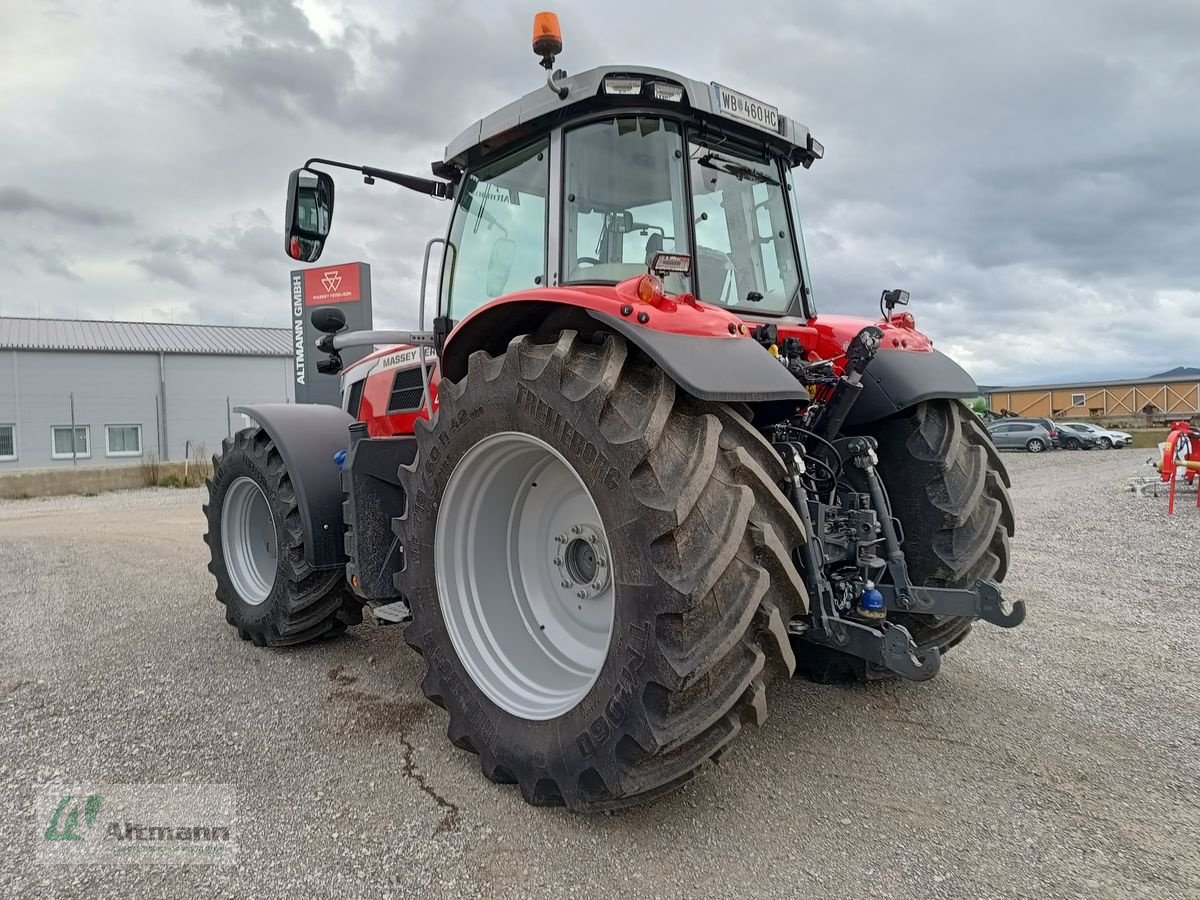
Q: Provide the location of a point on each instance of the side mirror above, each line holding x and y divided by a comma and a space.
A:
621, 222
499, 267
309, 214
328, 319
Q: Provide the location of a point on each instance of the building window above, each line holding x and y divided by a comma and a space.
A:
1077, 399
122, 440
8, 442
60, 445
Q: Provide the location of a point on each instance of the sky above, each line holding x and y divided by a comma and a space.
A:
1029, 171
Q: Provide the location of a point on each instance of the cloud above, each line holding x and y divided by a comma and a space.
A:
52, 260
19, 201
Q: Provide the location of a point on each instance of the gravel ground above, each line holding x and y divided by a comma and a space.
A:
1055, 760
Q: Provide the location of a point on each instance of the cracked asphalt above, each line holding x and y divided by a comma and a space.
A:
1057, 760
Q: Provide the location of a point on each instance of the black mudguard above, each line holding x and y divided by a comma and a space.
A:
724, 369
308, 435
897, 379
374, 497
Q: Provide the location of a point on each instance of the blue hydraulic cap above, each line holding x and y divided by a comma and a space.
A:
871, 601
340, 459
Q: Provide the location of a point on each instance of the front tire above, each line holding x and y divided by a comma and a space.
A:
682, 498
1106, 443
272, 596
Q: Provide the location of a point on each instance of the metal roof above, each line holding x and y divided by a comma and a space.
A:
1070, 385
585, 88
142, 337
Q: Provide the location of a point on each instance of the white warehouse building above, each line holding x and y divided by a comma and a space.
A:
91, 393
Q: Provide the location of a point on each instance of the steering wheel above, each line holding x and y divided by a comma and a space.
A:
589, 259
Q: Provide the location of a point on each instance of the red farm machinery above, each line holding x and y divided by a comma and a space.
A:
629, 475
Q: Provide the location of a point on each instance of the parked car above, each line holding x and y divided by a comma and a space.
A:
1020, 434
1070, 439
1105, 437
1051, 428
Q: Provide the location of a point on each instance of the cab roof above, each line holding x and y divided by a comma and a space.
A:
542, 108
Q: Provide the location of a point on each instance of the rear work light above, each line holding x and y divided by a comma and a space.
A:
670, 92
666, 263
624, 87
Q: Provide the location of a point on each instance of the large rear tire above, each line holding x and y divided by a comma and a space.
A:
949, 489
272, 596
702, 583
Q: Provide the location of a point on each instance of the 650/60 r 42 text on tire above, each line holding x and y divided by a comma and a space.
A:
587, 684
272, 596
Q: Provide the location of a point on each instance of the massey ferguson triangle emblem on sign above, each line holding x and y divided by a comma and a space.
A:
336, 284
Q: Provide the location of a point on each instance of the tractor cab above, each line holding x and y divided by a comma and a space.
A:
584, 181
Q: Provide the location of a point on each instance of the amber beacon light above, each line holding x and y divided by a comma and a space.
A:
547, 37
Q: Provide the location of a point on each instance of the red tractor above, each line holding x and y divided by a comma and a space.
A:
630, 475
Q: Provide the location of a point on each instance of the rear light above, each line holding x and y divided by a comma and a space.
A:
649, 289
624, 87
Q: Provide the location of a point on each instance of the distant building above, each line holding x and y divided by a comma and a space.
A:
1157, 398
88, 393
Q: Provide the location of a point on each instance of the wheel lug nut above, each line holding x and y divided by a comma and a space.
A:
566, 583
558, 560
575, 529
600, 562
582, 595
595, 585
558, 539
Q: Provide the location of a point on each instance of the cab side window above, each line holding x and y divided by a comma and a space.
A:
498, 237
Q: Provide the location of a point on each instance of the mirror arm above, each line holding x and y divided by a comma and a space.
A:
346, 339
440, 189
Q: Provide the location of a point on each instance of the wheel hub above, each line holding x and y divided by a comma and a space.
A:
581, 564
523, 572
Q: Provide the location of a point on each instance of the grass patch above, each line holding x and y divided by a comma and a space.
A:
1148, 437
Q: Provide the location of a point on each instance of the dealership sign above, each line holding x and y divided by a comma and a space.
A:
346, 286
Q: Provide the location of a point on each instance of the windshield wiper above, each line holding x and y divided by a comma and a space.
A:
737, 170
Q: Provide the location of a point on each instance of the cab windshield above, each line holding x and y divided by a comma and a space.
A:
629, 195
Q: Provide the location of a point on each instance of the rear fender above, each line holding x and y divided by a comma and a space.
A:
898, 379
716, 366
307, 436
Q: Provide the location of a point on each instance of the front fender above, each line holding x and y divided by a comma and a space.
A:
897, 379
307, 436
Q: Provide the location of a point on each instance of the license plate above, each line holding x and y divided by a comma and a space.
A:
737, 105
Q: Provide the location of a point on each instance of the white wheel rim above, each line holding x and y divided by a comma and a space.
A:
524, 575
249, 541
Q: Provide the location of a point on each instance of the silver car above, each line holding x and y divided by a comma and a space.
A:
1020, 436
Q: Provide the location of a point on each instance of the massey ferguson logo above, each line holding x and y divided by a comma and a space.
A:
338, 284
